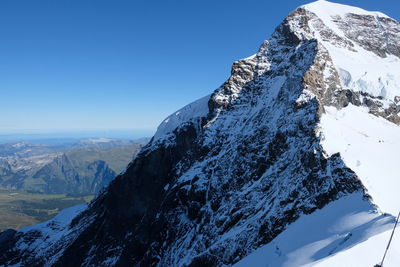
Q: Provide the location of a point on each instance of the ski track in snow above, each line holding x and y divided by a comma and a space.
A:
328, 237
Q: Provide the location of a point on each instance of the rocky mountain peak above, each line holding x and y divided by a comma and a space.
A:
347, 39
234, 171
354, 37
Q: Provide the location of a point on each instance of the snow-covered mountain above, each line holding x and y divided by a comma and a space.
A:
291, 162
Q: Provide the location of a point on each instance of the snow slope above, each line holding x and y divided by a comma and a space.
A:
347, 232
50, 234
194, 110
369, 146
367, 252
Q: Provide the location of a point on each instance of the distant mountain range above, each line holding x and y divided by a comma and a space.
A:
80, 168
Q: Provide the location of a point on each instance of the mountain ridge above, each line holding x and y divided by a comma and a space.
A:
238, 177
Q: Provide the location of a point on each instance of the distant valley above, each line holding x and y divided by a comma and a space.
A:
81, 168
39, 180
20, 208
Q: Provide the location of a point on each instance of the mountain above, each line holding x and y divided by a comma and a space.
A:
81, 168
25, 149
291, 162
61, 176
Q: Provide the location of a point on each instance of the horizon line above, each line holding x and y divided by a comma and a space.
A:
74, 130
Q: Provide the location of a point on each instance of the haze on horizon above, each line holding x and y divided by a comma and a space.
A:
100, 65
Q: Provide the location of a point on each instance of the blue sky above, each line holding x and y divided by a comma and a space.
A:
104, 65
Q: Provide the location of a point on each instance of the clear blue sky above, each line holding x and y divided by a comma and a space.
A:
95, 64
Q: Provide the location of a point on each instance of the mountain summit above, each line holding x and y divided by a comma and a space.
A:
290, 162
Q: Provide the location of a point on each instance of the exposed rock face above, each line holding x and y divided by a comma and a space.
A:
221, 185
379, 35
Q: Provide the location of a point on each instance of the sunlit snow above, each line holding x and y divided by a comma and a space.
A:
341, 225
369, 145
